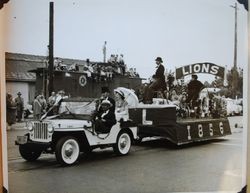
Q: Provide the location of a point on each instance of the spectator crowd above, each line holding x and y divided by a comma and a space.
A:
15, 106
98, 71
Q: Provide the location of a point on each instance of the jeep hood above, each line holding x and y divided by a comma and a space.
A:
69, 123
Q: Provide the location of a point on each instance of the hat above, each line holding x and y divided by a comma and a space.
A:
61, 92
105, 89
19, 93
159, 59
194, 76
119, 92
106, 102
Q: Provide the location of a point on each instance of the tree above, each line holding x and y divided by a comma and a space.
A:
235, 83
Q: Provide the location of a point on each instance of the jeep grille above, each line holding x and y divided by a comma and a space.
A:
40, 130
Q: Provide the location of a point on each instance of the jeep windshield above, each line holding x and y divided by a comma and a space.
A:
75, 110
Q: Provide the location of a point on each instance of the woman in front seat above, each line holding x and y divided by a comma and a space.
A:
121, 104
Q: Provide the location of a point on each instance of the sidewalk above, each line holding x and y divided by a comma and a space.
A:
17, 126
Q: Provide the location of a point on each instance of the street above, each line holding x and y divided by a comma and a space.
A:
152, 166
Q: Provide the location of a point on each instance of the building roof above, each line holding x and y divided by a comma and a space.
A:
17, 66
22, 67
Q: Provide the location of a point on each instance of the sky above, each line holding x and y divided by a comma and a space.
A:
181, 32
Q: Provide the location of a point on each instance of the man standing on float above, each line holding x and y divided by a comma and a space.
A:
194, 88
158, 83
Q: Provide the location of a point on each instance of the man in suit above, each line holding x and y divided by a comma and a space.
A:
106, 119
106, 96
158, 83
20, 106
194, 87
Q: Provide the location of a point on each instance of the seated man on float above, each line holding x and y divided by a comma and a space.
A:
158, 83
105, 120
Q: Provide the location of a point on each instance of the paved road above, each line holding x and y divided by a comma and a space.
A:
153, 166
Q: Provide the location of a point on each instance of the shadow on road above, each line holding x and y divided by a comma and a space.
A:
164, 143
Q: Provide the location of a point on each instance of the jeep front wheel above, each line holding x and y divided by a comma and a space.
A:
123, 144
28, 153
67, 150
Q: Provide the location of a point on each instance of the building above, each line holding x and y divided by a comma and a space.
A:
18, 77
28, 74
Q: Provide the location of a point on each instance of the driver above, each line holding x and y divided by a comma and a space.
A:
106, 119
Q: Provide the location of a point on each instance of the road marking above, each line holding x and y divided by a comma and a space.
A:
229, 144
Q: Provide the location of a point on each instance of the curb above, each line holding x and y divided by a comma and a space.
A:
16, 126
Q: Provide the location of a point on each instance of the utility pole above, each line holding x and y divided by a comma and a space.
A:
235, 34
235, 74
51, 48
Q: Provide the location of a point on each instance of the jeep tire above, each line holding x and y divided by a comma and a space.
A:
29, 154
67, 150
123, 143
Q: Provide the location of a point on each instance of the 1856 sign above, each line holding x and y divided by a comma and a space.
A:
205, 67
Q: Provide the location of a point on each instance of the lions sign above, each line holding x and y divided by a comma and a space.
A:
205, 67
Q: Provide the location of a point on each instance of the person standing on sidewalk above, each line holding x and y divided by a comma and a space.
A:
20, 106
38, 107
10, 109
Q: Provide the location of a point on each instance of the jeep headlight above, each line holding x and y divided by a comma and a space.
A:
29, 126
50, 128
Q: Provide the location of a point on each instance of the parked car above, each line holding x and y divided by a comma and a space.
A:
233, 107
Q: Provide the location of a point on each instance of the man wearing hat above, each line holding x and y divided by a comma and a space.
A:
106, 119
20, 106
193, 89
158, 83
105, 96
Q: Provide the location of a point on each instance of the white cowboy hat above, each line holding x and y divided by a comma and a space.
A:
106, 102
119, 92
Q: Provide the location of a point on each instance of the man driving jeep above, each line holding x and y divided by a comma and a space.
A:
106, 119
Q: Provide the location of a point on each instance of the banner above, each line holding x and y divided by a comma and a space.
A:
205, 67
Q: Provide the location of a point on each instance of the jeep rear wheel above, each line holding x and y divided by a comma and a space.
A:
67, 150
123, 144
28, 153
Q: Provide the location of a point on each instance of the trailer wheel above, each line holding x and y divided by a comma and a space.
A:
123, 144
67, 150
28, 153
138, 140
87, 150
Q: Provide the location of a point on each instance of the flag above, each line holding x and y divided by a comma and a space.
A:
244, 2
